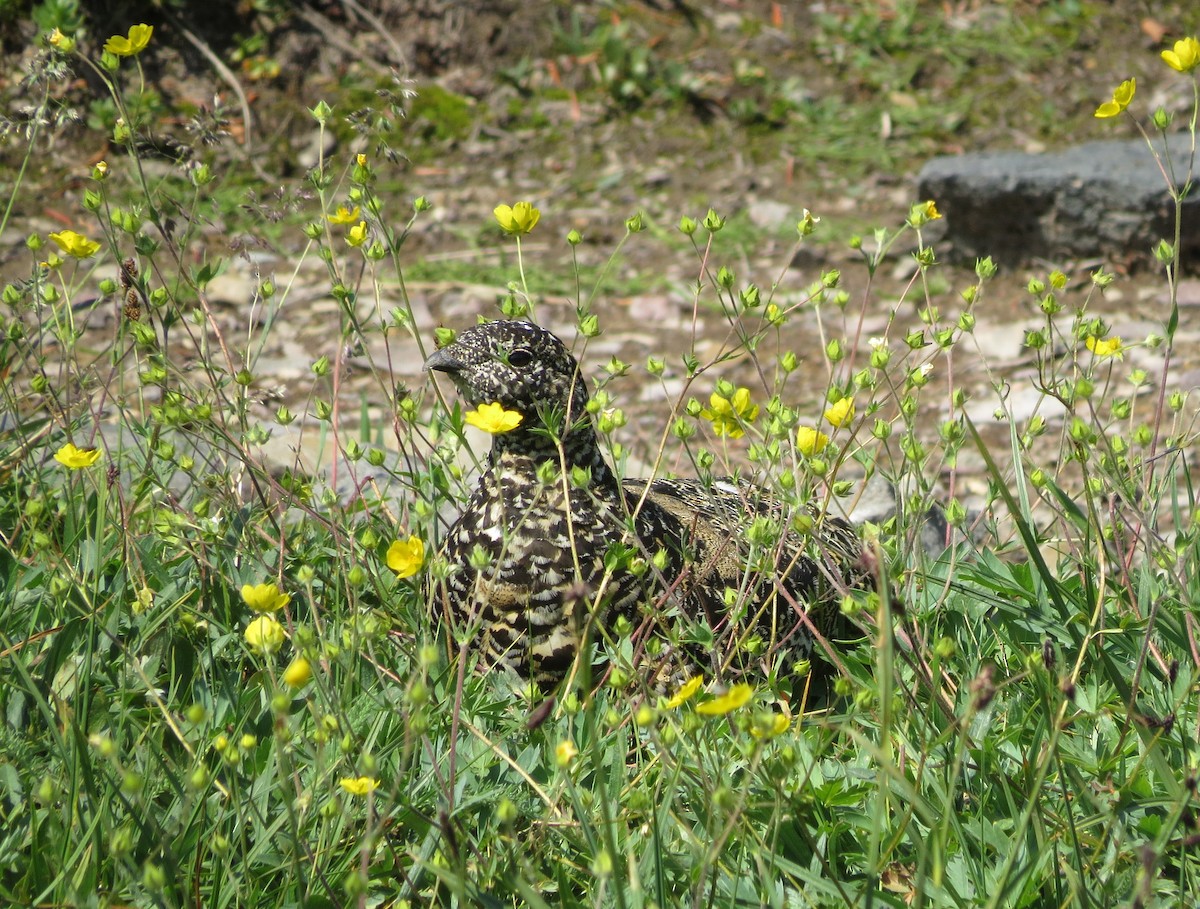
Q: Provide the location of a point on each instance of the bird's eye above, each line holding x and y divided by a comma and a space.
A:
519, 357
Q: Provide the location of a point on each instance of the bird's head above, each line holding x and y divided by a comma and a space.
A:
520, 366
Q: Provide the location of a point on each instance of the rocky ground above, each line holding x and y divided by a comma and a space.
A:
598, 111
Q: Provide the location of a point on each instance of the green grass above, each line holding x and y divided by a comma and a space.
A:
1014, 724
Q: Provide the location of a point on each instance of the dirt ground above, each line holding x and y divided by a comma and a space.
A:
596, 112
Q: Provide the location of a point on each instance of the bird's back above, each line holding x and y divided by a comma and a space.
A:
742, 565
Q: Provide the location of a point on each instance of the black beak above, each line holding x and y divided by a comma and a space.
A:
444, 361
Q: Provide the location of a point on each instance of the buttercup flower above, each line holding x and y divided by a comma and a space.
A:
1184, 56
344, 215
358, 234
360, 785
493, 418
810, 441
264, 635
731, 700
923, 212
264, 597
840, 412
517, 219
360, 159
686, 691
767, 727
134, 43
565, 752
76, 245
61, 41
405, 557
1120, 100
728, 414
298, 673
1105, 347
76, 458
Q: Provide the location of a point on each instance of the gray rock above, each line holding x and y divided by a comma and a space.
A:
1098, 199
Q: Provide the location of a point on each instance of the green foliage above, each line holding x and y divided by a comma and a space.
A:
64, 15
442, 115
1011, 720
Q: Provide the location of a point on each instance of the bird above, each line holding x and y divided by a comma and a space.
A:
551, 548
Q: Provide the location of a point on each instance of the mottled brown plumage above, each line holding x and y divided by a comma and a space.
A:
551, 547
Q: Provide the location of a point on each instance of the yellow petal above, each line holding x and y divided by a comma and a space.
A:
504, 217
735, 697
405, 557
1124, 93
133, 43
517, 219
139, 37
298, 673
686, 691
840, 412
264, 597
810, 441
565, 752
264, 635
1105, 347
77, 458
719, 405
493, 418
75, 245
344, 215
361, 785
769, 727
1184, 56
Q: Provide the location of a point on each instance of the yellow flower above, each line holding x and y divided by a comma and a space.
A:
358, 234
344, 215
565, 752
134, 43
517, 219
359, 785
264, 597
264, 635
686, 691
61, 41
405, 557
360, 159
493, 418
731, 700
1120, 100
1184, 56
923, 212
769, 726
75, 458
76, 245
840, 412
1105, 347
728, 414
810, 441
298, 673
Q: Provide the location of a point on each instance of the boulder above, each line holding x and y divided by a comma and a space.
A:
1098, 200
